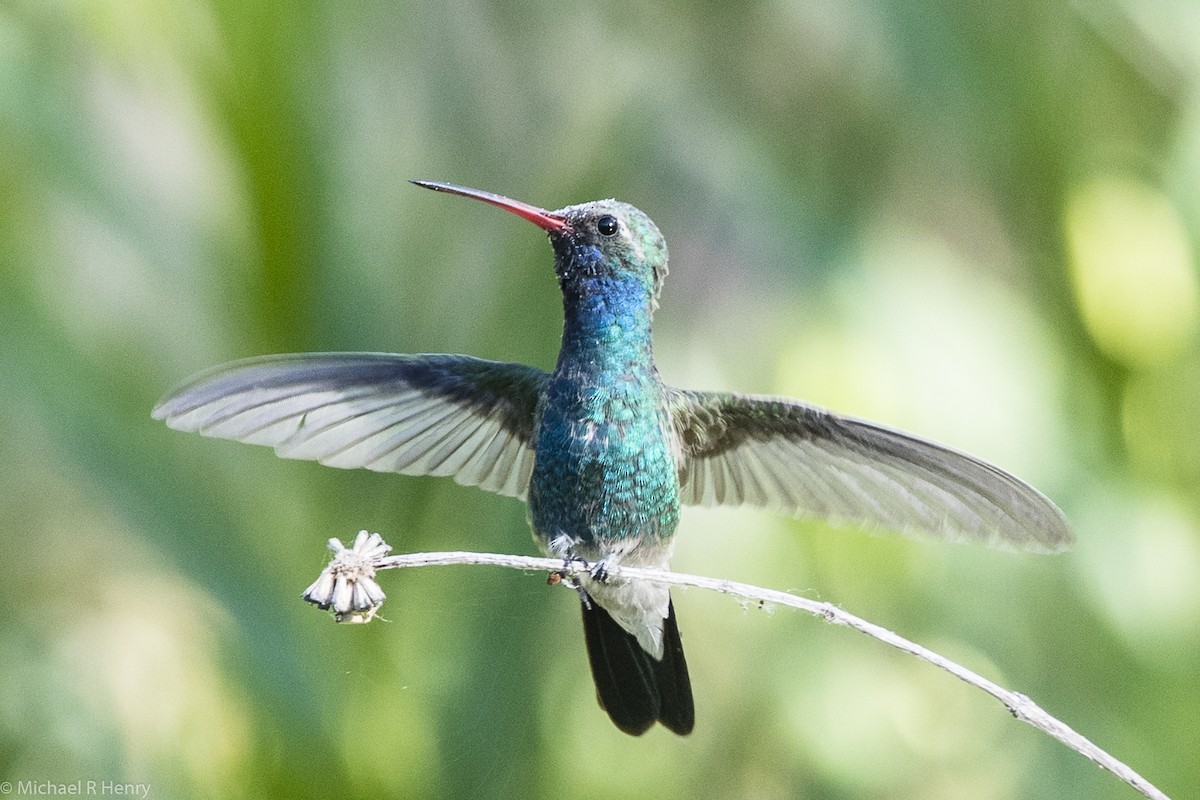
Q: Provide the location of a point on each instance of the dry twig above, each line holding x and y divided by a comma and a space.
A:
347, 586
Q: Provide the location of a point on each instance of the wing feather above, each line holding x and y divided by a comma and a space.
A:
804, 461
415, 414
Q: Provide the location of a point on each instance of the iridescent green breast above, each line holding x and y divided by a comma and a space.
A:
604, 479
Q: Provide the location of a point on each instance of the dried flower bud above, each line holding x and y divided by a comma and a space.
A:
347, 585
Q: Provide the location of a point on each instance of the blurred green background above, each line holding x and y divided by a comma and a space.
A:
976, 221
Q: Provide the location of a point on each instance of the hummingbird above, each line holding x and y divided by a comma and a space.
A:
605, 452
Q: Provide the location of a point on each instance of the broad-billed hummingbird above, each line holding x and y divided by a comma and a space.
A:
605, 452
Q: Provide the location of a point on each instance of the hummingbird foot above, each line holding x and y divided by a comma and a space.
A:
568, 576
596, 570
599, 570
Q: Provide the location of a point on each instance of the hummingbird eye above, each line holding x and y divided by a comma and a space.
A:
607, 225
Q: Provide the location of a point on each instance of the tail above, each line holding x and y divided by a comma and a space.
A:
634, 687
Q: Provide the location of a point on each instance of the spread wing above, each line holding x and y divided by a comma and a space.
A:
790, 457
414, 414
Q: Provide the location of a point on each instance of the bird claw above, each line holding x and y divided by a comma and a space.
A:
599, 570
573, 565
571, 568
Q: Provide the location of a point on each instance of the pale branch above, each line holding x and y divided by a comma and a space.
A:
348, 587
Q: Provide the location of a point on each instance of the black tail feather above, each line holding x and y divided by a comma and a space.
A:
635, 688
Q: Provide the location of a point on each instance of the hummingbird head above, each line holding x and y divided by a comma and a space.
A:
600, 240
608, 238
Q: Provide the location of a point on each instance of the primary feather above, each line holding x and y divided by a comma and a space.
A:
805, 461
413, 414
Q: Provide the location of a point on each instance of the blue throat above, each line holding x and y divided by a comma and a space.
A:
606, 328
